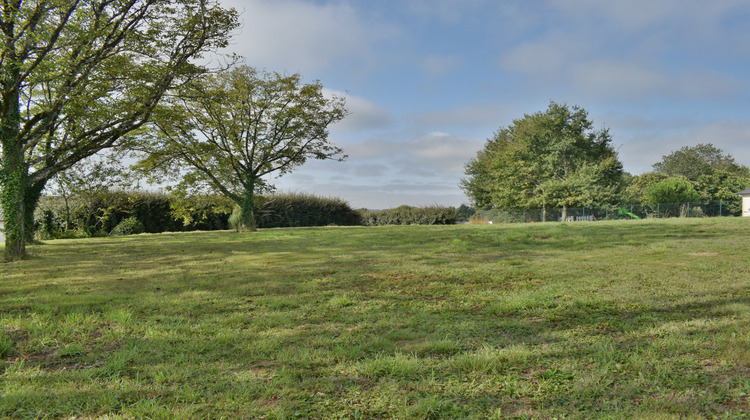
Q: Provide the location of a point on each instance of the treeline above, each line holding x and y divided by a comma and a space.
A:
128, 212
555, 159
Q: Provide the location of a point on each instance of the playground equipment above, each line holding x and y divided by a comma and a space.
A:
624, 212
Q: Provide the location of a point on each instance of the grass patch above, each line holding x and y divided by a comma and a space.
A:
621, 319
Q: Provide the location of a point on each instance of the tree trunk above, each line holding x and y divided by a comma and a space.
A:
247, 207
564, 212
14, 175
31, 199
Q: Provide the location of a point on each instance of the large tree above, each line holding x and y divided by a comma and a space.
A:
548, 159
692, 162
715, 175
229, 130
76, 76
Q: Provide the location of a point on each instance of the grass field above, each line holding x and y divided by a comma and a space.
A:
630, 319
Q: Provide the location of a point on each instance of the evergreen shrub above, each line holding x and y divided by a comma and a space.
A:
129, 226
298, 209
408, 215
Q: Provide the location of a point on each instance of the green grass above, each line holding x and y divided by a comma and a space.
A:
630, 319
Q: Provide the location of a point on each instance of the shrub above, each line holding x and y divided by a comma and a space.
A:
672, 190
297, 209
234, 219
408, 215
129, 226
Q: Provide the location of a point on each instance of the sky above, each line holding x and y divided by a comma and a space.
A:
427, 82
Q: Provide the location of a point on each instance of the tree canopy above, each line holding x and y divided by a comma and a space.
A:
233, 128
77, 76
548, 159
692, 162
714, 175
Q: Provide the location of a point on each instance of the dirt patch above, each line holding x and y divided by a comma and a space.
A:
704, 254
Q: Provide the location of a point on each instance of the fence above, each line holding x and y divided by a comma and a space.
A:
612, 212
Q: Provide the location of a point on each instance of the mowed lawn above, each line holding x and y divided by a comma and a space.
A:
625, 319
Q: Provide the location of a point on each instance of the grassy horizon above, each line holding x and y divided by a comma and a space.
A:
616, 319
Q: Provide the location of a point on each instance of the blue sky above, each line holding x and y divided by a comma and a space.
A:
428, 81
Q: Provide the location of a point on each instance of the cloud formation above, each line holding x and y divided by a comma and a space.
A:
297, 35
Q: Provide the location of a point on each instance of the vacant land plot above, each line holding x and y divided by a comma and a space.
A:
647, 319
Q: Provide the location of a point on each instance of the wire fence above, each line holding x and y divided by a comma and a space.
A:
612, 212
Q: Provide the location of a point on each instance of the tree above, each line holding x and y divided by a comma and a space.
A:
76, 76
548, 159
696, 161
635, 187
670, 194
715, 175
234, 128
85, 182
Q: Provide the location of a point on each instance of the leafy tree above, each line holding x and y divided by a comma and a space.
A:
78, 76
696, 161
234, 128
464, 212
672, 190
635, 187
715, 175
82, 184
548, 159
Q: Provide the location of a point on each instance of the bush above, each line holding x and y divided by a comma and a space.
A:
129, 226
672, 190
100, 213
296, 209
408, 215
234, 219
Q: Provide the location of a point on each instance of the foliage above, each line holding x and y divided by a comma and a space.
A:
464, 212
548, 159
234, 128
295, 209
672, 190
158, 212
409, 215
635, 187
235, 219
77, 77
129, 226
200, 211
701, 160
715, 175
410, 322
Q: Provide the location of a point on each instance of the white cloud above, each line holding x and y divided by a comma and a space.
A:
475, 115
444, 152
542, 59
432, 154
298, 35
363, 114
637, 14
612, 78
652, 140
371, 170
626, 79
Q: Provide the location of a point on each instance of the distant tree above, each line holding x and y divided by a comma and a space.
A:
672, 190
229, 130
77, 76
696, 161
548, 159
715, 175
81, 185
464, 212
634, 191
